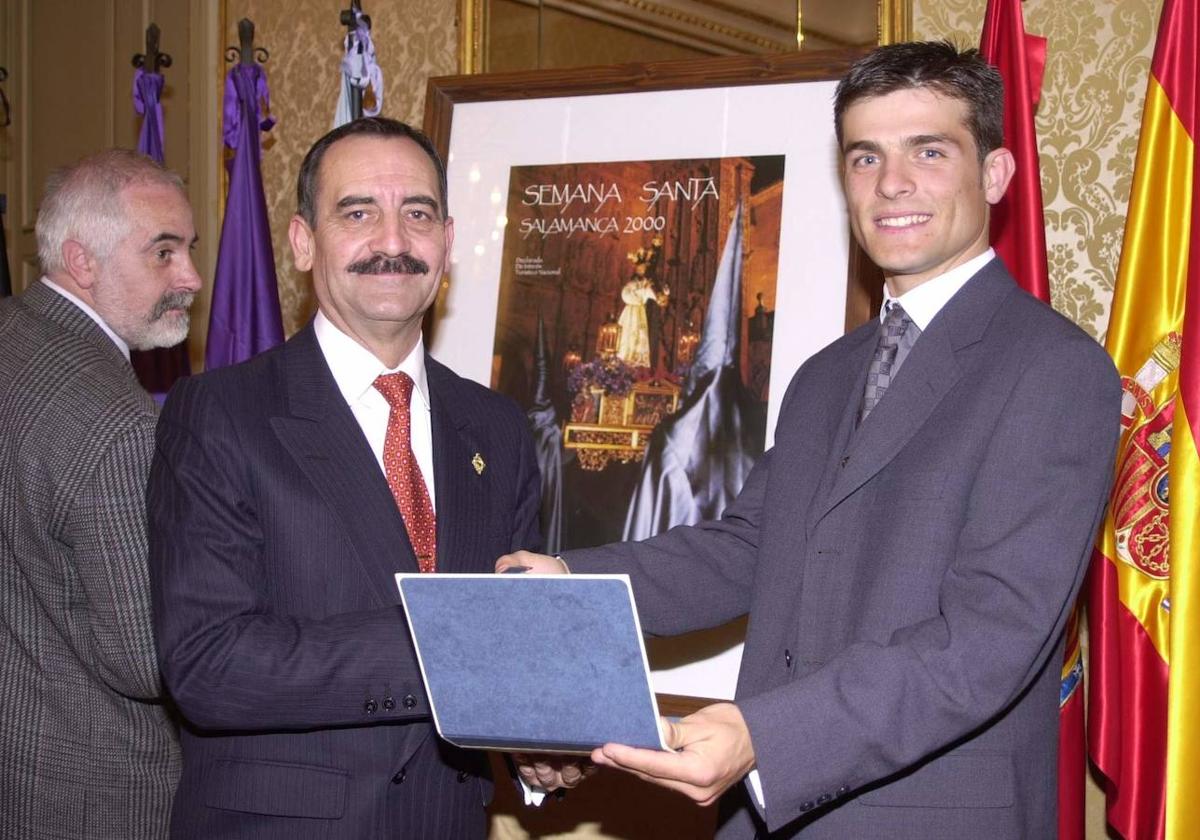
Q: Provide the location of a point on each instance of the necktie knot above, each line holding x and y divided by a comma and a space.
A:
396, 388
895, 323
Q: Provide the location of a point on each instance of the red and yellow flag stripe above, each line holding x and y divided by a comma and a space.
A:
1144, 597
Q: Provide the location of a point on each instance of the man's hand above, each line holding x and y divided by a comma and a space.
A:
541, 564
551, 772
713, 752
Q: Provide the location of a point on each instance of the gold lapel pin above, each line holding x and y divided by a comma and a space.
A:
478, 464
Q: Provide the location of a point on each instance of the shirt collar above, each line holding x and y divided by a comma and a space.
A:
927, 299
91, 313
355, 368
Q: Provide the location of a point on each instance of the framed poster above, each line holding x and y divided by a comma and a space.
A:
637, 250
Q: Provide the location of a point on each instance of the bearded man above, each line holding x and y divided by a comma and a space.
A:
87, 749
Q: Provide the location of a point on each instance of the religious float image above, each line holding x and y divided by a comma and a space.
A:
634, 324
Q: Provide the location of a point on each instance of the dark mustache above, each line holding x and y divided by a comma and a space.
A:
172, 300
403, 264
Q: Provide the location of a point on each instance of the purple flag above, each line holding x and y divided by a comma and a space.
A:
147, 101
245, 317
157, 369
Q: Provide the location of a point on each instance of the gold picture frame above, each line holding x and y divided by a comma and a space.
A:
893, 25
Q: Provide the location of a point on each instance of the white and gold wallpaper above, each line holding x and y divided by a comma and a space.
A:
1097, 61
414, 39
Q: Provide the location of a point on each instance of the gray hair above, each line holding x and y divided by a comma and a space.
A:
83, 202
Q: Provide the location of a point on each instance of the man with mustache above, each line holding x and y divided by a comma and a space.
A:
286, 493
87, 749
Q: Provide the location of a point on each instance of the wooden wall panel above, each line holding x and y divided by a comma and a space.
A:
70, 85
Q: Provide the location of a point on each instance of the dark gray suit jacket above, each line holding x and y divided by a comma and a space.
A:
86, 749
274, 540
907, 582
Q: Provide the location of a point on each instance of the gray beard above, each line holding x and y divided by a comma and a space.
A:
161, 333
159, 330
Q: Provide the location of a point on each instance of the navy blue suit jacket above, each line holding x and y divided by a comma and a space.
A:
274, 541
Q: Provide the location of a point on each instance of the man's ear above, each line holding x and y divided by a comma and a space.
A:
79, 263
998, 169
300, 236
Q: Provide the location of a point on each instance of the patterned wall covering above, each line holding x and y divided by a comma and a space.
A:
1088, 120
414, 39
1099, 57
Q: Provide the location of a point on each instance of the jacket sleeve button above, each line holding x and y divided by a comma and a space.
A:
823, 798
787, 658
370, 706
388, 704
410, 702
806, 806
843, 790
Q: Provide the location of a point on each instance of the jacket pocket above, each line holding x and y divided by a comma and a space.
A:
956, 780
277, 789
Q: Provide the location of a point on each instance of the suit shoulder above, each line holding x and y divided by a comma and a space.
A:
249, 385
834, 354
258, 368
54, 373
469, 396
1036, 329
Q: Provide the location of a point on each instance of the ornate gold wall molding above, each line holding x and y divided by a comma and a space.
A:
705, 27
895, 21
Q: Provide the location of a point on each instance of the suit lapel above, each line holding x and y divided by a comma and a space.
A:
846, 387
322, 435
930, 372
459, 487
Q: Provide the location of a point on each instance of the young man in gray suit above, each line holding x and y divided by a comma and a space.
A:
86, 747
909, 549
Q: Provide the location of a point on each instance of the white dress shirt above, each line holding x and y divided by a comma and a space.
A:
921, 304
355, 370
927, 299
91, 313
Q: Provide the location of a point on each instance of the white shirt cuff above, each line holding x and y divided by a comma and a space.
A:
533, 795
756, 787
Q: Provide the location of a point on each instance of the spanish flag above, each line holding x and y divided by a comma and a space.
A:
1144, 588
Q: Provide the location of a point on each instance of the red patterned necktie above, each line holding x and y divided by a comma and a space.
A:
403, 472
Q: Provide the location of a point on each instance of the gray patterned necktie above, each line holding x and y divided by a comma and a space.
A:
884, 365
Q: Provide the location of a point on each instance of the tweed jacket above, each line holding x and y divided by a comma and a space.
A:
87, 750
907, 580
